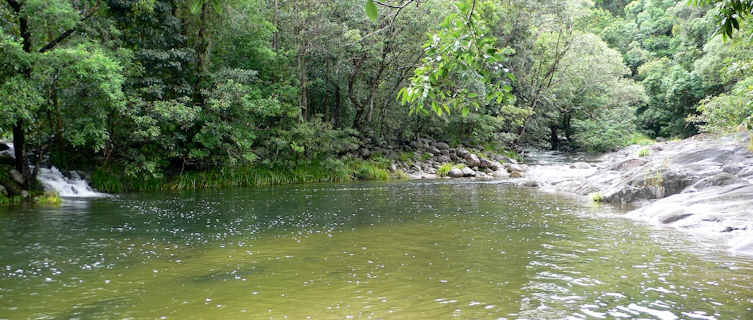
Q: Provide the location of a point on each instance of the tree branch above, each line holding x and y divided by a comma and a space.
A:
51, 45
399, 8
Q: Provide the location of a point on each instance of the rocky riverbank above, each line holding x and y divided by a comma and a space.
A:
428, 159
702, 185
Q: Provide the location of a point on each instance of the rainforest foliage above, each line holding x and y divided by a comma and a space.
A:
154, 88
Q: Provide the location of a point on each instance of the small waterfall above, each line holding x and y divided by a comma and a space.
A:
9, 152
74, 187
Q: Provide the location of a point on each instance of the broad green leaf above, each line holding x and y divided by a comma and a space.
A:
371, 10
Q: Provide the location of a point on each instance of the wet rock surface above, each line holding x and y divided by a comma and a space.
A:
701, 185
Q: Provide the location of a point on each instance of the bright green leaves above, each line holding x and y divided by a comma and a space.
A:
196, 5
463, 69
726, 112
730, 12
83, 87
48, 15
371, 10
19, 96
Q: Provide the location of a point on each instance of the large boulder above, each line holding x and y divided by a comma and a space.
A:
16, 176
504, 159
721, 179
649, 184
472, 160
468, 172
442, 146
491, 164
501, 174
9, 184
515, 170
455, 173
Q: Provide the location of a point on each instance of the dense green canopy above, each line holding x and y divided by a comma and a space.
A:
150, 88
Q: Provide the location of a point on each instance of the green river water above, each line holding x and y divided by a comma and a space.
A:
404, 250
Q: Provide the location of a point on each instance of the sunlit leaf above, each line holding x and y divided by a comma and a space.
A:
371, 10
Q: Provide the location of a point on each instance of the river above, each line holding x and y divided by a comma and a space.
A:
402, 250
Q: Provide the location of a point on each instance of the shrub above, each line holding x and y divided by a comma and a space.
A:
726, 112
364, 170
444, 170
48, 199
641, 140
407, 156
609, 131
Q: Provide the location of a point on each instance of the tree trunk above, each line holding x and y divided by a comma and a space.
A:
554, 140
19, 134
357, 64
338, 105
202, 53
276, 35
58, 121
303, 80
377, 79
567, 126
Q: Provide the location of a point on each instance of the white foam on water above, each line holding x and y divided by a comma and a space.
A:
75, 187
660, 314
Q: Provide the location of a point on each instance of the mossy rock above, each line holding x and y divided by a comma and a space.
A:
12, 187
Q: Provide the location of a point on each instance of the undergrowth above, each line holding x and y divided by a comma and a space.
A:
113, 180
641, 140
444, 170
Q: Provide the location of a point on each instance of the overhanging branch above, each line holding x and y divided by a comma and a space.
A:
51, 45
